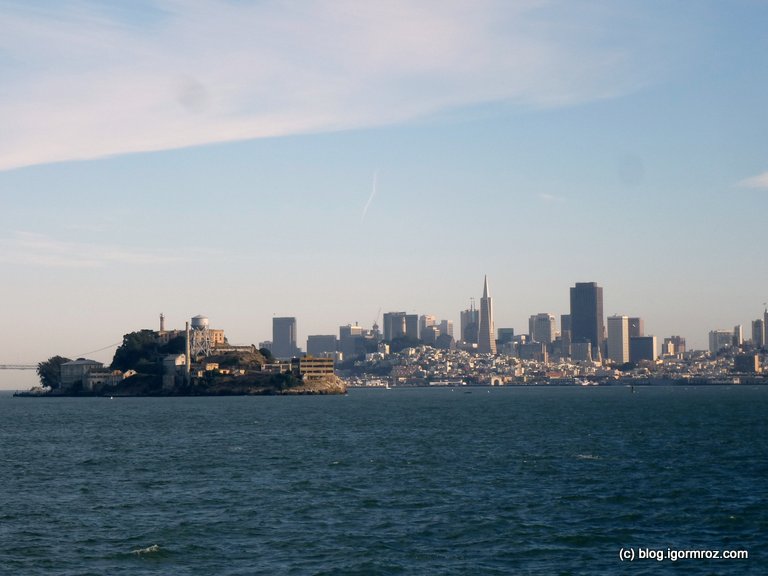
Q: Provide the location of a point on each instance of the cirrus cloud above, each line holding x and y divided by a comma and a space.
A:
760, 181
85, 81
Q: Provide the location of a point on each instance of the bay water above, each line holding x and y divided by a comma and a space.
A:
402, 481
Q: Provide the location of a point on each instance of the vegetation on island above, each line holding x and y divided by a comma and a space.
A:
49, 372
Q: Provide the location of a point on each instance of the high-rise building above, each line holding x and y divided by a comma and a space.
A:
738, 336
322, 346
541, 327
412, 326
284, 337
426, 320
642, 348
486, 340
758, 333
394, 325
429, 335
674, 346
581, 351
565, 334
587, 315
618, 339
446, 327
636, 327
720, 339
351, 342
470, 323
506, 335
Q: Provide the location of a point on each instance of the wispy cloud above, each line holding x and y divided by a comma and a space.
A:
550, 198
759, 181
82, 82
43, 251
371, 196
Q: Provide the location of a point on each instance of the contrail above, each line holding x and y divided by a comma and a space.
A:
370, 198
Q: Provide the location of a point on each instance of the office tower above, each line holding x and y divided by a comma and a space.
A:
758, 333
565, 334
486, 341
506, 335
446, 327
720, 339
581, 351
674, 345
426, 320
541, 327
394, 325
587, 315
322, 345
533, 351
636, 327
470, 322
642, 348
430, 334
618, 339
738, 336
412, 326
351, 343
284, 337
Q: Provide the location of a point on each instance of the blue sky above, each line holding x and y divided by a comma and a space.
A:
325, 160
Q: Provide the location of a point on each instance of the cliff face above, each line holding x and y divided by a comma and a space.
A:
324, 385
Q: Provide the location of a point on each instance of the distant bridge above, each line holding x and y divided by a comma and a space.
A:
18, 366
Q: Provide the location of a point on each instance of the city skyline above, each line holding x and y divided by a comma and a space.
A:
246, 161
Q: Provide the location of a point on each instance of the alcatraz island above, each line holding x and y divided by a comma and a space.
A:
197, 361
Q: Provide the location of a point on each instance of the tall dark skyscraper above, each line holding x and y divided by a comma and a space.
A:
486, 337
394, 325
470, 322
284, 337
587, 315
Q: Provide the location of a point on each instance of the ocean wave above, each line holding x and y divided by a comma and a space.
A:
154, 549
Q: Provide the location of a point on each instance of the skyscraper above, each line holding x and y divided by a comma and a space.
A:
284, 337
470, 320
636, 327
394, 325
486, 340
618, 339
541, 327
587, 315
758, 333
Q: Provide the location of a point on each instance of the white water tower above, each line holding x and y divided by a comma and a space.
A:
201, 343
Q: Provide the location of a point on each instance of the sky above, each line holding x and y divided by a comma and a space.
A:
335, 160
